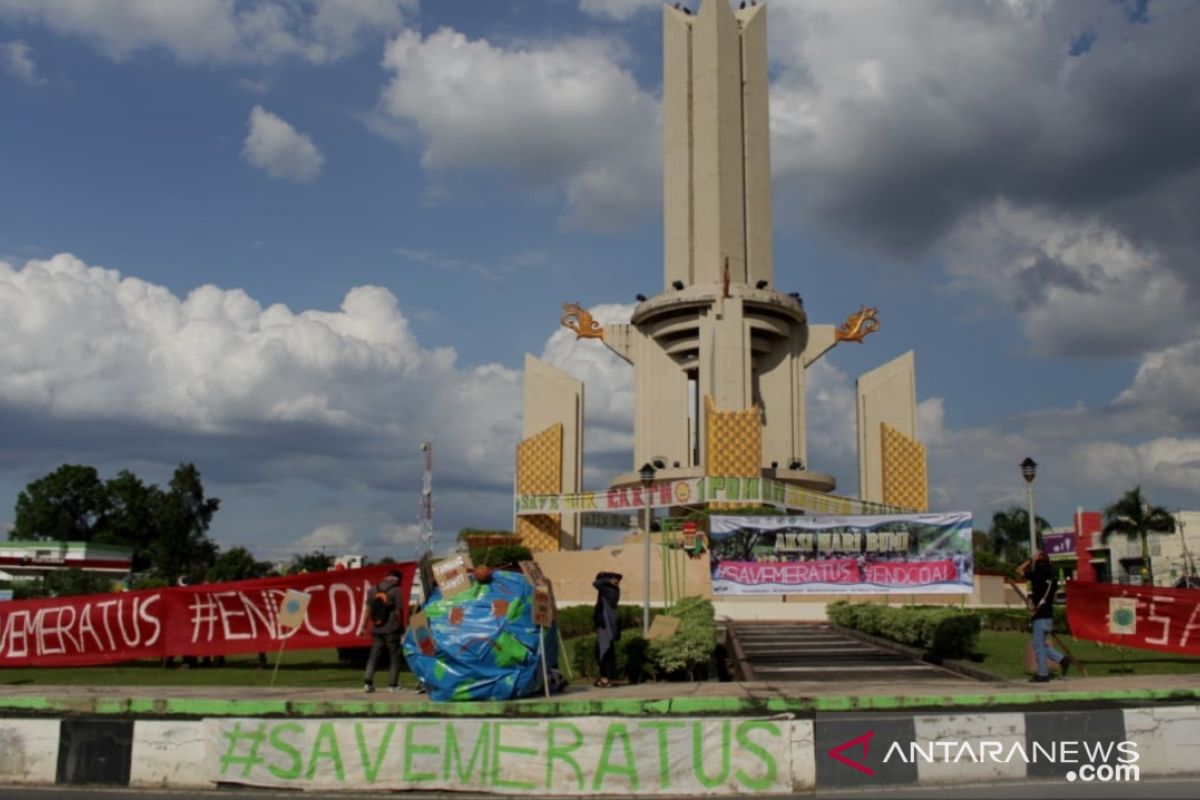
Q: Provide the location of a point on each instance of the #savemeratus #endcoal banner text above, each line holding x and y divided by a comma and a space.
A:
206, 620
890, 554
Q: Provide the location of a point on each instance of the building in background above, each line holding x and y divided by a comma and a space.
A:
32, 559
1173, 556
1060, 545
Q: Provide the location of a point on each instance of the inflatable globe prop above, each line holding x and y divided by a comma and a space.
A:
482, 643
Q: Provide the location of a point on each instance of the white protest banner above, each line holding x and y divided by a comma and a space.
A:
528, 757
895, 553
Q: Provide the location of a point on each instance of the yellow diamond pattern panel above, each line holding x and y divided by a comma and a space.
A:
905, 479
539, 471
733, 444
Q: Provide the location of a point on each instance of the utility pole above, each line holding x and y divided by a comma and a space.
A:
425, 518
1189, 566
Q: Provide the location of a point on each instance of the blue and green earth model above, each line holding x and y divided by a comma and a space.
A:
481, 644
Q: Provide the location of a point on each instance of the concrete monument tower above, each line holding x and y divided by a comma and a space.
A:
719, 355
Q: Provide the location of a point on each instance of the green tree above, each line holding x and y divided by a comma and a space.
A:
131, 517
1008, 535
316, 561
985, 559
66, 505
180, 546
1134, 518
76, 582
167, 530
237, 564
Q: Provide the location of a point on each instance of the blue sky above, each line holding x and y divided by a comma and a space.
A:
289, 240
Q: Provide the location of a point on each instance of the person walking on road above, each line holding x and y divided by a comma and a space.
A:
1042, 586
382, 612
608, 627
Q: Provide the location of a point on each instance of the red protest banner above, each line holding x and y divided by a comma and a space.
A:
204, 620
1161, 619
84, 630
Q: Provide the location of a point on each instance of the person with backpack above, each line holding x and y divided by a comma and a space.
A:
383, 611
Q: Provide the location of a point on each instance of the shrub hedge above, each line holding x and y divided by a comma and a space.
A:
500, 555
632, 662
691, 648
576, 621
684, 656
942, 631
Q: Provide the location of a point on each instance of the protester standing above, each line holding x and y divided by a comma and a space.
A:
1042, 586
608, 627
382, 611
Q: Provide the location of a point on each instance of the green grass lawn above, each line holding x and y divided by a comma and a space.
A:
1003, 652
317, 669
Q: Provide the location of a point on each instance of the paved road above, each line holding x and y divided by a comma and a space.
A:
1181, 788
773, 651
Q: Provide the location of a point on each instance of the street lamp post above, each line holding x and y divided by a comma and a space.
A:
1029, 472
646, 473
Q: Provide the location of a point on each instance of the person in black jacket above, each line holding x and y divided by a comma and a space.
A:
385, 634
1042, 586
608, 628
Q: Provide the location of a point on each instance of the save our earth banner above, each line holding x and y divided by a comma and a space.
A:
884, 554
206, 620
695, 491
1135, 616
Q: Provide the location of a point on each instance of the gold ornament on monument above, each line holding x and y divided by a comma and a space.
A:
579, 319
858, 325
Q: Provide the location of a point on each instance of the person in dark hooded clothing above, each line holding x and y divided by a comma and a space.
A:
608, 628
385, 632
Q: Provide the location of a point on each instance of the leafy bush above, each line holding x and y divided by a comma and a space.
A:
692, 645
632, 661
500, 555
684, 656
943, 631
577, 620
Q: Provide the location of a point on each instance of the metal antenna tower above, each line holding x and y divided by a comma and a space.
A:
426, 515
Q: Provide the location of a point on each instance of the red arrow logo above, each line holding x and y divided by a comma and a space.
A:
836, 752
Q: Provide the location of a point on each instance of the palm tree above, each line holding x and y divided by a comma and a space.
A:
1009, 534
1134, 518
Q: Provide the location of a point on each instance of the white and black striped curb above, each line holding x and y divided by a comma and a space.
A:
848, 749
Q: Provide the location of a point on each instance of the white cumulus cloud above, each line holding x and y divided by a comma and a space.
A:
279, 149
16, 60
218, 31
617, 9
311, 388
559, 116
1078, 286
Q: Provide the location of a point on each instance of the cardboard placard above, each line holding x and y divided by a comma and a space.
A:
545, 611
451, 575
532, 571
292, 608
422, 635
662, 628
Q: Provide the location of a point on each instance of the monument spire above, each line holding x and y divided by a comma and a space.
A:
719, 355
716, 145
